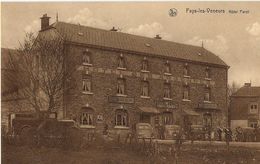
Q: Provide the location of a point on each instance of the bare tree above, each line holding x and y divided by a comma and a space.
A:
42, 70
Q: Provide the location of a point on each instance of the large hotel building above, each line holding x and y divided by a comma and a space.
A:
123, 79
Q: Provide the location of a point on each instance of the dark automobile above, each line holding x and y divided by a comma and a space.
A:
172, 131
144, 130
198, 132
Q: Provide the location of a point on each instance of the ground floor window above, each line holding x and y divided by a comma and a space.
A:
121, 117
86, 117
167, 118
252, 124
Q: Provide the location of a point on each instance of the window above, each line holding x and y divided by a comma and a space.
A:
121, 117
86, 117
186, 92
167, 68
186, 70
167, 118
86, 84
86, 57
253, 108
121, 61
207, 94
167, 90
252, 124
121, 86
145, 89
207, 73
144, 64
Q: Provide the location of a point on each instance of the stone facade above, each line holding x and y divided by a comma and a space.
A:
103, 100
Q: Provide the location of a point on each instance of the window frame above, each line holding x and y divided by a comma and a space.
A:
145, 64
87, 79
89, 55
89, 114
167, 66
207, 90
121, 81
255, 107
124, 118
186, 89
121, 58
186, 71
147, 84
165, 86
207, 73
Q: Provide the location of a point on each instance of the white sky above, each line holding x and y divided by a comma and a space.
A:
233, 37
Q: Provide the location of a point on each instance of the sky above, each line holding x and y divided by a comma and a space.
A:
234, 37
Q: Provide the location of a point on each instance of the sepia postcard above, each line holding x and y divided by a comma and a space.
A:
130, 82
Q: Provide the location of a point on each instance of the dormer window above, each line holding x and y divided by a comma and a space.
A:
86, 58
186, 70
121, 62
207, 73
167, 68
144, 64
167, 91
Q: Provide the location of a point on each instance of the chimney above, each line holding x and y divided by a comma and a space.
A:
247, 84
113, 29
45, 22
158, 37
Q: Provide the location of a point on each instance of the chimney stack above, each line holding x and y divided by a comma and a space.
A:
45, 22
247, 84
113, 29
158, 37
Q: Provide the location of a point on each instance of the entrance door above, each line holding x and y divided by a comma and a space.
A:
145, 118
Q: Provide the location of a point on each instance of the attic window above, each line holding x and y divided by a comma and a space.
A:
147, 45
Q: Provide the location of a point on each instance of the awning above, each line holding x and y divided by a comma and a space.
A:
190, 113
150, 110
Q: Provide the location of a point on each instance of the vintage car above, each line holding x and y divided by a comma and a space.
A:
171, 131
198, 132
144, 130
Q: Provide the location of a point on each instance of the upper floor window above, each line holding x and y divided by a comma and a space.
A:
86, 117
186, 70
207, 73
207, 96
253, 108
121, 117
167, 90
86, 58
186, 92
167, 68
86, 84
144, 64
145, 89
121, 62
121, 86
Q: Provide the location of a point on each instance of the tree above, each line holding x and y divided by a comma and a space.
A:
43, 69
231, 90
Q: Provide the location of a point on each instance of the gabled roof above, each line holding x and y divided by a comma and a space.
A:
247, 91
138, 44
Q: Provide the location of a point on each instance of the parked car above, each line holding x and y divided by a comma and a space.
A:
144, 130
198, 132
172, 131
